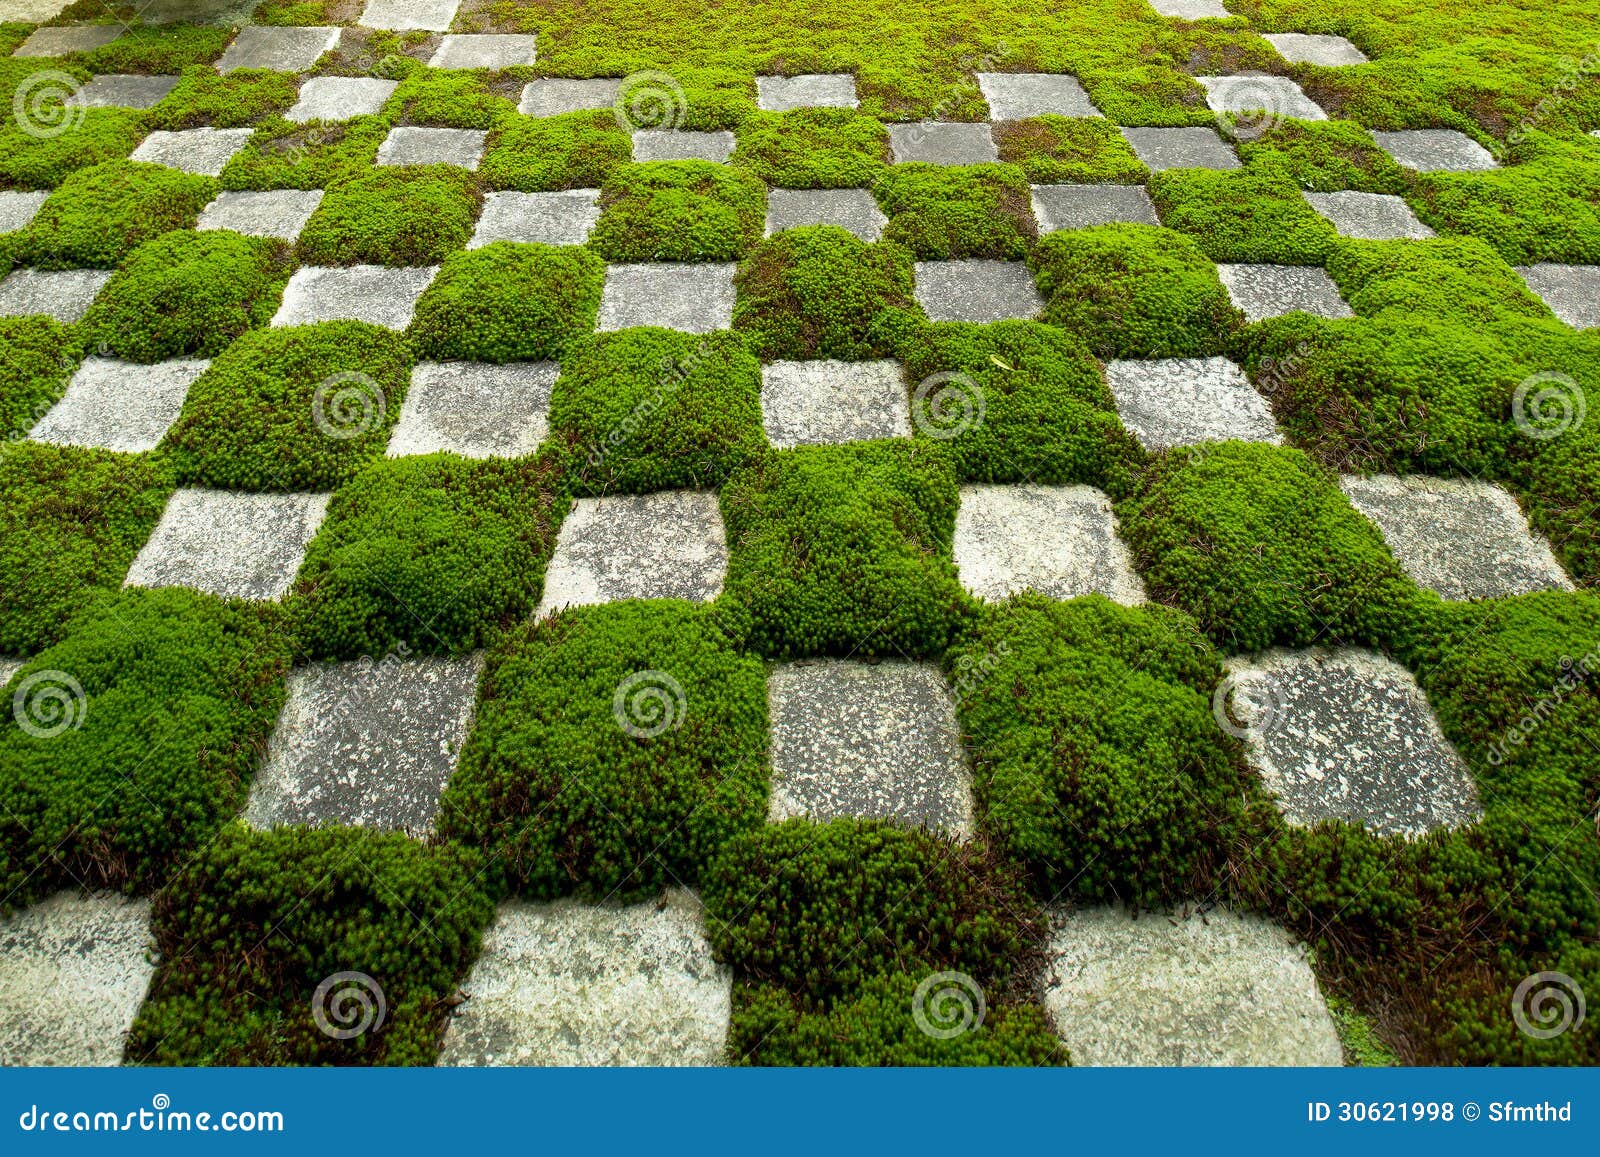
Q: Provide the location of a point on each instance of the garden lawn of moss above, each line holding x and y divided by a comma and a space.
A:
943, 212
1255, 214
678, 211
578, 150
813, 148
402, 215
282, 154
1058, 150
28, 161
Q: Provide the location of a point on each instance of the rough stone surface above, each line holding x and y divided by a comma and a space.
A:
8, 668
677, 145
1460, 537
555, 95
415, 145
35, 11
1170, 402
409, 15
1248, 94
278, 49
1327, 51
235, 12
695, 298
484, 51
119, 90
1191, 9
73, 972
372, 293
1368, 216
577, 984
1191, 148
1058, 540
61, 40
1195, 987
1347, 734
118, 405
17, 209
201, 151
235, 545
667, 545
1571, 291
978, 290
1081, 206
853, 209
475, 409
1013, 96
1264, 291
813, 90
943, 143
805, 403
280, 213
1435, 150
339, 98
369, 743
562, 218
64, 294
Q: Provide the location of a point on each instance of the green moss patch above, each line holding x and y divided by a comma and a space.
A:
416, 215
237, 100
678, 211
36, 361
458, 100
1450, 278
1058, 150
281, 154
32, 162
1325, 157
813, 148
941, 212
579, 150
1245, 215
101, 214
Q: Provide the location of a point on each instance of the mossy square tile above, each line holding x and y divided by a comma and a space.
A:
681, 145
487, 50
475, 409
379, 294
418, 145
868, 740
695, 298
18, 209
1013, 96
806, 403
1368, 216
855, 210
1263, 291
1571, 291
812, 90
1182, 148
1248, 94
943, 143
1327, 51
340, 98
278, 49
235, 545
409, 15
1058, 540
64, 294
561, 218
201, 151
1170, 402
66, 38
280, 213
1083, 206
581, 984
116, 405
369, 743
1435, 151
555, 95
977, 290
73, 971
116, 90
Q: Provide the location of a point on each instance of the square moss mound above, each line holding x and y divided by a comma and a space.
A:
296, 408
1522, 212
578, 150
1134, 291
32, 162
101, 214
1325, 157
941, 212
1247, 215
813, 148
73, 520
417, 215
1448, 278
37, 357
616, 749
1058, 150
841, 550
237, 100
134, 739
816, 291
304, 946
282, 154
678, 211
188, 294
453, 99
436, 552
654, 409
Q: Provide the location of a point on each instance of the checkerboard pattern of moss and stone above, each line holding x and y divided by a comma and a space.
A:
790, 533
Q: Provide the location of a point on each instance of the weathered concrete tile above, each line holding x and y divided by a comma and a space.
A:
278, 49
416, 145
679, 145
339, 98
371, 293
235, 545
561, 218
1013, 96
119, 90
976, 290
1170, 402
1058, 540
1264, 291
695, 298
553, 95
1253, 93
1435, 151
1082, 206
1571, 291
409, 15
67, 38
118, 405
853, 209
280, 213
18, 209
806, 403
36, 11
232, 12
63, 294
943, 143
486, 50
201, 151
1327, 51
813, 90
475, 409
9, 667
1368, 216
1191, 148
1191, 9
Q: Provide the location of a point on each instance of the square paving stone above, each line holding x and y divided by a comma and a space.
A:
1571, 291
668, 545
367, 744
1436, 151
867, 740
1459, 537
1264, 291
118, 405
278, 49
1013, 96
61, 40
853, 209
674, 145
475, 409
118, 90
409, 15
1058, 540
1191, 9
372, 293
1082, 206
1368, 216
246, 546
9, 667
73, 972
943, 143
64, 294
581, 984
339, 98
1170, 402
203, 152
18, 209
695, 298
278, 213
554, 95
234, 12
1346, 734
978, 291
1193, 148
1277, 96
35, 11
1327, 51
807, 403
1193, 987
813, 90
484, 51
413, 145
563, 218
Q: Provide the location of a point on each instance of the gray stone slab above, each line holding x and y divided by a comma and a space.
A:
1264, 291
1170, 402
68, 38
35, 11
18, 209
339, 98
676, 145
475, 409
554, 95
73, 971
373, 293
64, 294
667, 545
1193, 987
278, 49
368, 744
485, 50
280, 213
853, 209
813, 90
409, 15
695, 298
976, 290
578, 984
1571, 291
1259, 97
1013, 96
246, 546
123, 90
116, 405
201, 151
1436, 151
9, 667
1082, 206
1368, 216
561, 218
234, 12
1058, 540
1191, 9
943, 143
809, 403
1327, 51
1191, 148
1462, 538
417, 145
